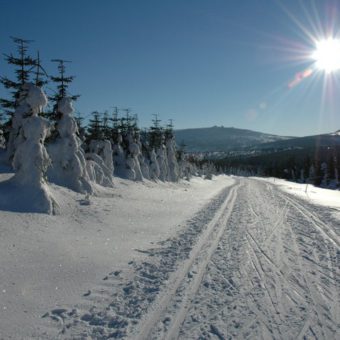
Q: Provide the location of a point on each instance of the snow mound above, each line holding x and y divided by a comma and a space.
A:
16, 197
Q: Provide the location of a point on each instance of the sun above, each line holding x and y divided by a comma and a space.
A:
327, 55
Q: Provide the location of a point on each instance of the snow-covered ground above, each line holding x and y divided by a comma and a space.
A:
49, 262
310, 193
241, 258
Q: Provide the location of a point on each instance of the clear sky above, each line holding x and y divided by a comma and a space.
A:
201, 63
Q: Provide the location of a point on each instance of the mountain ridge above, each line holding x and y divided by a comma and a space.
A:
220, 138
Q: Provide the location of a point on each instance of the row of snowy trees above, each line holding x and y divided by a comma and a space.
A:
64, 161
52, 147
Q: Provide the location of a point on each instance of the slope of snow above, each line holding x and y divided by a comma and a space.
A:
48, 262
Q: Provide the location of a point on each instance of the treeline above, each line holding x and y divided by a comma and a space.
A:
44, 142
101, 125
317, 165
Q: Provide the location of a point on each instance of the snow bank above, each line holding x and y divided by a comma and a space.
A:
324, 197
49, 262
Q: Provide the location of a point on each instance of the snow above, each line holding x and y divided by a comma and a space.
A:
99, 162
173, 174
31, 100
229, 257
28, 188
48, 262
36, 98
68, 159
315, 195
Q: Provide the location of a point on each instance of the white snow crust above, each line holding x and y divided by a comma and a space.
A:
49, 262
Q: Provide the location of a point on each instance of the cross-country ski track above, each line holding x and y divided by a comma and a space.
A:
255, 263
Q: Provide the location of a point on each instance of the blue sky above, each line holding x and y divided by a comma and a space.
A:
201, 63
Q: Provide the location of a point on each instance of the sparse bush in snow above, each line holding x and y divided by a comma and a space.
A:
68, 159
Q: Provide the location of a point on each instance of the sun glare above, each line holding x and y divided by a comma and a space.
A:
327, 55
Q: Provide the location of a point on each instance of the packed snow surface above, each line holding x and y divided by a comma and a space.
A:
49, 262
239, 258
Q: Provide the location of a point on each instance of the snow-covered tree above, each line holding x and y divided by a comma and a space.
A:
68, 158
173, 170
154, 167
95, 128
119, 157
144, 156
62, 84
24, 65
132, 161
162, 162
31, 159
100, 162
28, 97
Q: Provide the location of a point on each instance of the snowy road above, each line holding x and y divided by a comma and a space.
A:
256, 263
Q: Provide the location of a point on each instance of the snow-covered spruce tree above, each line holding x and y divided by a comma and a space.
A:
126, 146
173, 170
162, 162
154, 166
68, 159
99, 156
118, 156
23, 66
156, 150
106, 128
62, 83
95, 128
144, 157
31, 159
23, 110
209, 170
181, 159
99, 162
134, 171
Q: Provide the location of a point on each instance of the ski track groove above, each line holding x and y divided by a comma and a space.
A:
256, 263
180, 276
268, 248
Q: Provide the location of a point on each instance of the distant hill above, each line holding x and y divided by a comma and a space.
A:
325, 140
289, 158
222, 139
